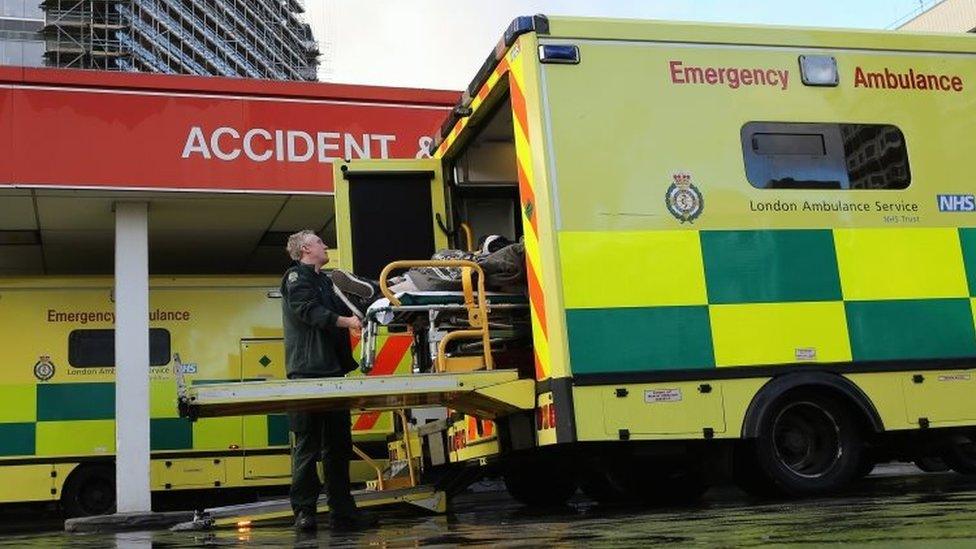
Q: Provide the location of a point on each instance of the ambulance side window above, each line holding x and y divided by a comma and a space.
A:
787, 155
96, 348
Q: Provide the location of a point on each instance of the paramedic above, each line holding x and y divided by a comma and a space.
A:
316, 332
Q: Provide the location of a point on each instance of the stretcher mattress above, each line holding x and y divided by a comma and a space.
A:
381, 309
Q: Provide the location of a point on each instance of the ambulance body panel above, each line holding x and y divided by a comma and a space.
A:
58, 391
720, 221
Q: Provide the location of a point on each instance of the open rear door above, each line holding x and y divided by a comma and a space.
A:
387, 210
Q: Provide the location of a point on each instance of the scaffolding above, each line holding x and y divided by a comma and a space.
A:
236, 38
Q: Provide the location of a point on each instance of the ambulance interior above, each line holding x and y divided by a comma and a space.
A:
481, 194
483, 179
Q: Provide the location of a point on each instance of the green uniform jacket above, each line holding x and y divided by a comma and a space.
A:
314, 345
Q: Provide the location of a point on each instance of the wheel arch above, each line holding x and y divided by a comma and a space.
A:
828, 383
80, 473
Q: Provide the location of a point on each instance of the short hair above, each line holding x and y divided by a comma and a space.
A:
296, 241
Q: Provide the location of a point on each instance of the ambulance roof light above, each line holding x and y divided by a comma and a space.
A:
519, 26
819, 70
524, 24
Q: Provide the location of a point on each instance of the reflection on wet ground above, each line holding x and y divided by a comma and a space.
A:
883, 511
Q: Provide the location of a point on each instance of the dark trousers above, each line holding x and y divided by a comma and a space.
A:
326, 436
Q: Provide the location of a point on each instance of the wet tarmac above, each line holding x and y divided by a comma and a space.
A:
898, 508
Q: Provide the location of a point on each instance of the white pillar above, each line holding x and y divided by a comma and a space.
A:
132, 357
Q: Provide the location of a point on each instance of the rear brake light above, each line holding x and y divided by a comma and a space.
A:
552, 416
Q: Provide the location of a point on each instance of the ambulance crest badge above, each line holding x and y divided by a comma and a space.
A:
683, 199
44, 368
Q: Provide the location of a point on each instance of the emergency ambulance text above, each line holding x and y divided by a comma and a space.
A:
910, 80
733, 77
108, 317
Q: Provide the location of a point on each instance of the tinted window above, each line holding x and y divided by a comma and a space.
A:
380, 206
96, 348
825, 156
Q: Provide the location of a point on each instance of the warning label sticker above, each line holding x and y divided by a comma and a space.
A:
955, 377
662, 395
806, 353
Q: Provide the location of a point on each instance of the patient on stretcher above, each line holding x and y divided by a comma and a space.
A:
502, 261
432, 304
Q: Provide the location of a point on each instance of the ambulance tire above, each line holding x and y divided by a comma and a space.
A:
931, 464
601, 488
809, 443
537, 488
867, 467
746, 473
89, 491
679, 488
960, 454
634, 487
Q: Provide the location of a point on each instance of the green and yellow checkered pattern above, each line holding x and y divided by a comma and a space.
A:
687, 299
78, 419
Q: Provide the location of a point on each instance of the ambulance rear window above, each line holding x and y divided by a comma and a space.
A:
789, 155
96, 348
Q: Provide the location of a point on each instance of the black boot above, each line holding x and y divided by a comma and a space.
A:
352, 523
351, 284
305, 521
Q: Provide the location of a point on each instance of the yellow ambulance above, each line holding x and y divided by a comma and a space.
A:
57, 391
748, 252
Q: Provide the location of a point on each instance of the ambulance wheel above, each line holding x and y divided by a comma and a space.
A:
600, 486
746, 473
808, 444
537, 488
931, 464
639, 487
867, 466
678, 488
960, 454
89, 490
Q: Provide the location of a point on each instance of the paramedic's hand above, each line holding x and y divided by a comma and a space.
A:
351, 323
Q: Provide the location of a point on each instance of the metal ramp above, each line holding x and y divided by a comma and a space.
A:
485, 394
279, 510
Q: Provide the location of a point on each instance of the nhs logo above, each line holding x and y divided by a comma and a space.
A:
957, 203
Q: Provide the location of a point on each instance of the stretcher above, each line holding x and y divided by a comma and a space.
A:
439, 320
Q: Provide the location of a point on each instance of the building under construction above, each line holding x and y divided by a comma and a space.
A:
943, 16
238, 38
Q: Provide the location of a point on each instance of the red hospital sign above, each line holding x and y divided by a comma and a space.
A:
88, 129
